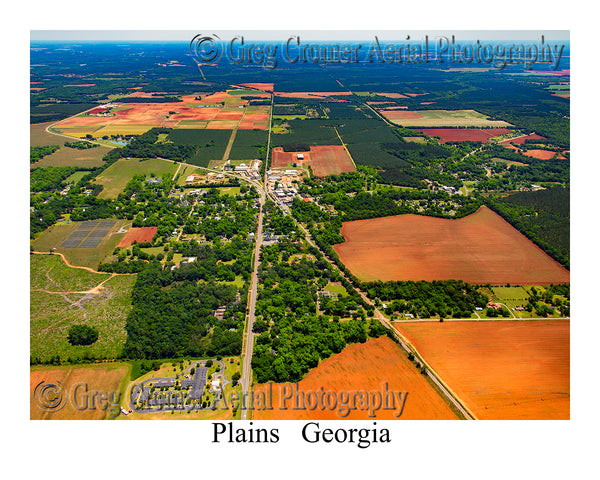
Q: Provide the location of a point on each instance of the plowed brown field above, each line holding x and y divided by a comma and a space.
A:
500, 369
464, 134
98, 378
479, 248
140, 234
364, 367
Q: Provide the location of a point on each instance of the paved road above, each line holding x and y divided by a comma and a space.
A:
249, 343
247, 367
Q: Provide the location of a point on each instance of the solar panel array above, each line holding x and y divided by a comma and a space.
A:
89, 234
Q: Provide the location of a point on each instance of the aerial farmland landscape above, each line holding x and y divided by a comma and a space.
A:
207, 236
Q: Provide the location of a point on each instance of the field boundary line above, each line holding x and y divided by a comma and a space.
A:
345, 147
436, 377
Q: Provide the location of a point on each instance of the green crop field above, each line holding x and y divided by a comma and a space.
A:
51, 314
202, 137
242, 92
516, 294
311, 132
444, 118
115, 177
212, 143
76, 177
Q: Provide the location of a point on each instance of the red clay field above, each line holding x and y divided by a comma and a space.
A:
542, 154
463, 134
265, 87
479, 248
521, 139
500, 369
323, 159
141, 234
363, 367
98, 378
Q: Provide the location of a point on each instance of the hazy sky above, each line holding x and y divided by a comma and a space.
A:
282, 35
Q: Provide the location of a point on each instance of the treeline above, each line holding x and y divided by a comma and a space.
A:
53, 111
542, 216
81, 145
446, 298
36, 153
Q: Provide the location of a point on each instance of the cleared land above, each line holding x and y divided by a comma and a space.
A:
441, 118
501, 370
108, 377
323, 159
479, 248
64, 156
139, 234
464, 134
364, 366
115, 178
62, 296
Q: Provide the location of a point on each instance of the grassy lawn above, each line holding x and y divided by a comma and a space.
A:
153, 250
232, 191
115, 178
336, 288
238, 282
51, 315
76, 177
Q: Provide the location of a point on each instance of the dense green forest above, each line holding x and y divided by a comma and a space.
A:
543, 216
172, 316
37, 153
